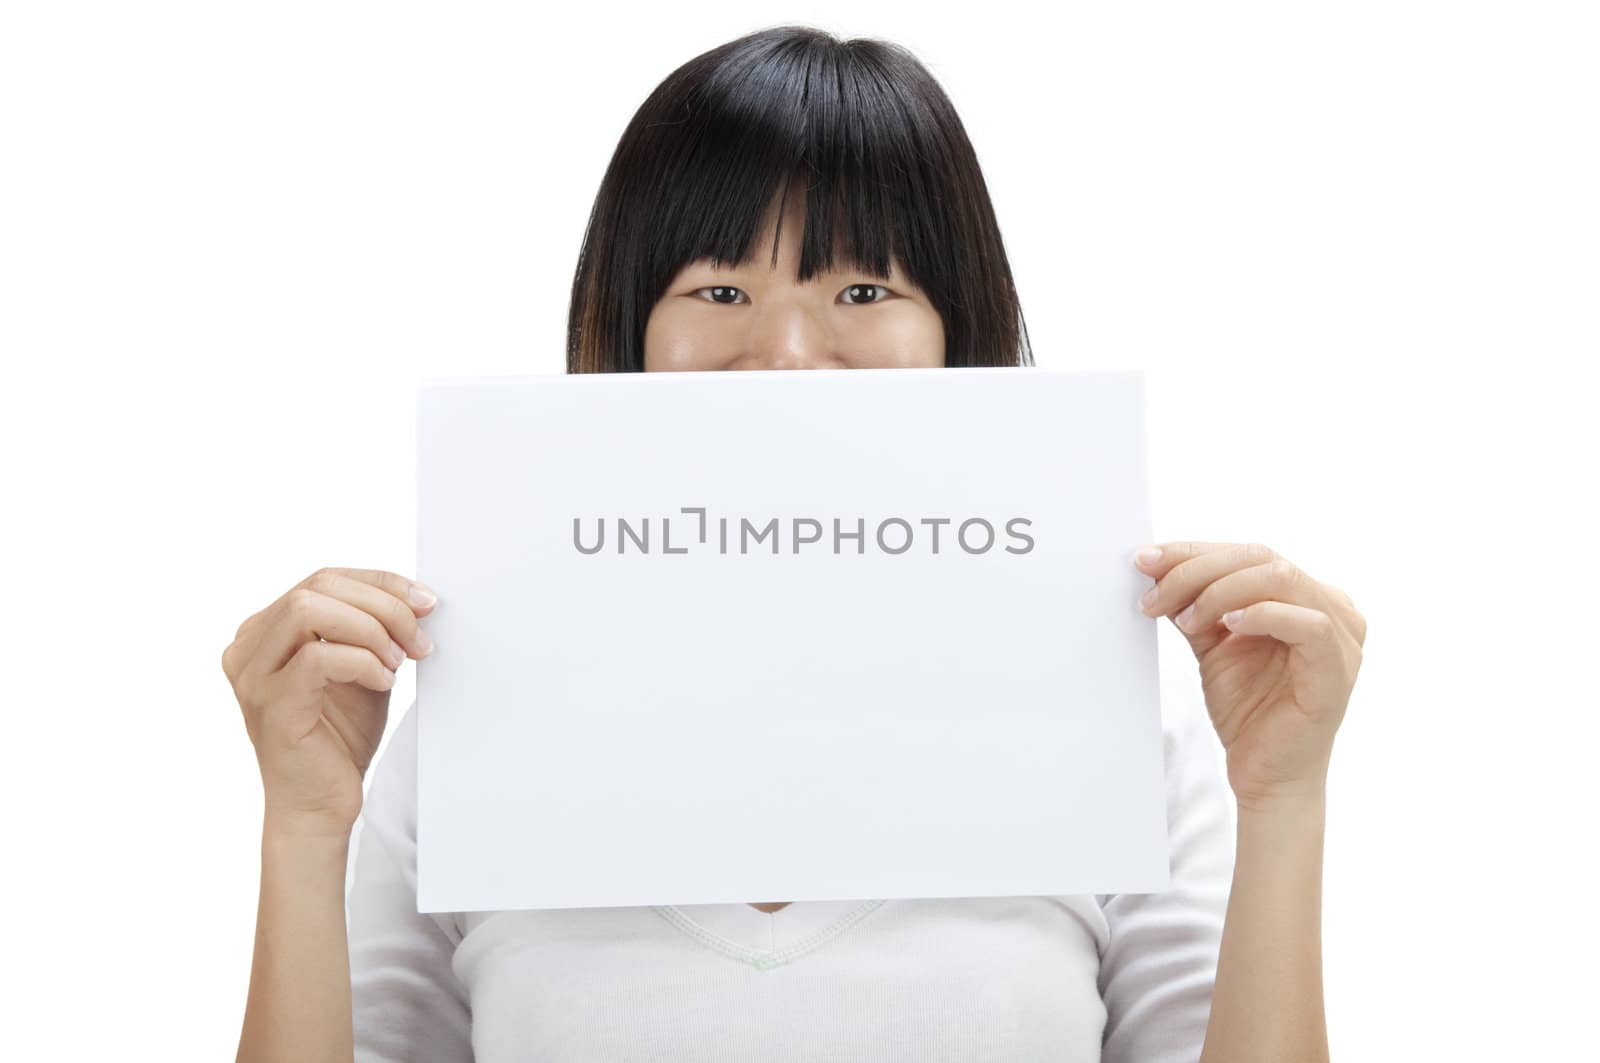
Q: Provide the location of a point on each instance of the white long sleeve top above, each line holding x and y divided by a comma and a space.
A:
1121, 978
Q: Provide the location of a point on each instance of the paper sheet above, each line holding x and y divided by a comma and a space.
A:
785, 635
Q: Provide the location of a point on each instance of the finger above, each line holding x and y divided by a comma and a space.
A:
1311, 632
419, 597
294, 706
1181, 583
247, 646
1173, 554
343, 611
1344, 610
399, 617
1277, 579
242, 650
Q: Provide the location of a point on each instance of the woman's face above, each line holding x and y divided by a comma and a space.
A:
756, 317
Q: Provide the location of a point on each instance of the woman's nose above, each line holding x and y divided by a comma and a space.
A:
788, 337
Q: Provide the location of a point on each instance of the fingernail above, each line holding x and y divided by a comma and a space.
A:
1149, 597
1148, 556
424, 643
396, 652
1186, 616
421, 595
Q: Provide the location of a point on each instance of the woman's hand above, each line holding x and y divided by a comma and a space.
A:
312, 673
1278, 653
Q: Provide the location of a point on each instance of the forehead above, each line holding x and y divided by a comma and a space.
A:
792, 222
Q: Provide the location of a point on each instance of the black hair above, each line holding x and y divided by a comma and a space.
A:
880, 155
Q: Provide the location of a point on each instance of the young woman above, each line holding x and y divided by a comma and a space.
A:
789, 200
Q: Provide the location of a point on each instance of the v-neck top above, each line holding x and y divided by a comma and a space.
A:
1125, 978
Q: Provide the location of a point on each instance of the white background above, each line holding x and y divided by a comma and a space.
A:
1354, 245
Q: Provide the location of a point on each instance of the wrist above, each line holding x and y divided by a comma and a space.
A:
303, 834
1293, 808
1308, 794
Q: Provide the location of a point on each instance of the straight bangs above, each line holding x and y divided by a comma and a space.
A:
858, 128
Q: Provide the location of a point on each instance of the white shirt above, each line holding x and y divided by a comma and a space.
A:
1123, 978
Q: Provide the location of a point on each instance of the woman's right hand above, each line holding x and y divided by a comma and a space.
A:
312, 673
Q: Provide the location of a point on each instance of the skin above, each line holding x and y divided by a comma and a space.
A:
757, 316
1278, 653
312, 672
772, 322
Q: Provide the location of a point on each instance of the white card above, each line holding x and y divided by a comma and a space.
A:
713, 637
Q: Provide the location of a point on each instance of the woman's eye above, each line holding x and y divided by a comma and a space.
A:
857, 289
855, 294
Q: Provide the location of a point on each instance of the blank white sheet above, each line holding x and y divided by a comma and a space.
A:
837, 719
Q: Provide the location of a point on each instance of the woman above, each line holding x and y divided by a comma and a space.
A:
847, 161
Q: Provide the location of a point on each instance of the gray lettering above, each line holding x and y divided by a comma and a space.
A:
798, 541
1019, 535
808, 530
961, 534
746, 528
885, 546
859, 535
578, 542
702, 511
666, 538
624, 530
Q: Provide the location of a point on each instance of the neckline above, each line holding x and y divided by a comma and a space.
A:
767, 939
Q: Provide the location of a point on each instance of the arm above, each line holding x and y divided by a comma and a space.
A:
1279, 653
299, 1002
1267, 1002
312, 673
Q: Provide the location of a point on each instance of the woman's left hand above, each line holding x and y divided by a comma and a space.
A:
1278, 653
